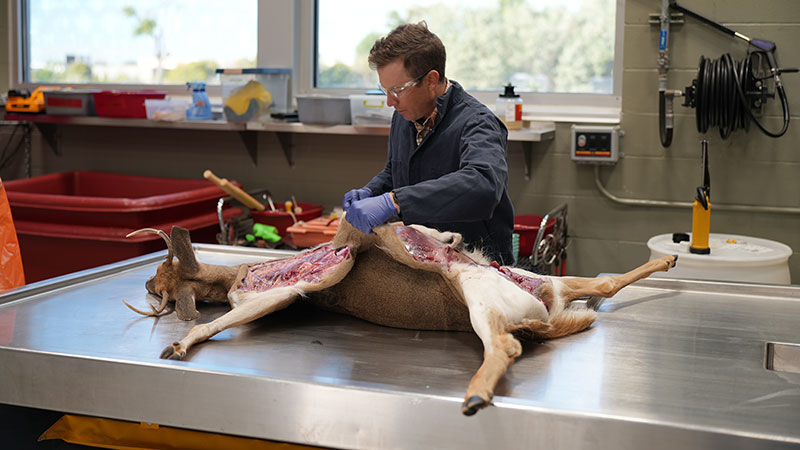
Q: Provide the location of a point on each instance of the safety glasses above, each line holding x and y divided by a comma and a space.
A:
397, 91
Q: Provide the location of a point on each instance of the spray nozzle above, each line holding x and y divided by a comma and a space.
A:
704, 191
196, 85
509, 91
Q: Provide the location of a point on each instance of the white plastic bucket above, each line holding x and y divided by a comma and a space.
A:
732, 258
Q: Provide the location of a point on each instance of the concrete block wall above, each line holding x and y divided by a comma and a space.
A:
748, 168
4, 38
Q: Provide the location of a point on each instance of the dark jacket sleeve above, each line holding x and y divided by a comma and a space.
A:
470, 193
382, 182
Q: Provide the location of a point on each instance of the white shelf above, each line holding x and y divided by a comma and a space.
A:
534, 132
537, 132
297, 127
135, 123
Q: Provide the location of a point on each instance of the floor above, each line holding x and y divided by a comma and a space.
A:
20, 428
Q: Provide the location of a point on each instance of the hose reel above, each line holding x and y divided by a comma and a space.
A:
726, 93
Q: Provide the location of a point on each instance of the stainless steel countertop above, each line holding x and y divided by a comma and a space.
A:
668, 364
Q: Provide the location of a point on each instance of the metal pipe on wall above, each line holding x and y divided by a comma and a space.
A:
688, 205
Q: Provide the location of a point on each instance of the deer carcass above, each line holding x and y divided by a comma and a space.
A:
401, 276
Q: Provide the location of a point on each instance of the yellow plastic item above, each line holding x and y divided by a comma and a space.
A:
248, 98
11, 272
120, 435
701, 227
33, 103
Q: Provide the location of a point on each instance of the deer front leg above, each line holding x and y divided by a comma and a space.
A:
251, 307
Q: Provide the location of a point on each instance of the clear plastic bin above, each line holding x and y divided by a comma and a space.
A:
243, 93
370, 110
169, 109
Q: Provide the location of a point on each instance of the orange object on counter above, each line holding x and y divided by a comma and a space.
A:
25, 101
314, 232
12, 273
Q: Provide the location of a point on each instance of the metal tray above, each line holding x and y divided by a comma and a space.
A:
669, 364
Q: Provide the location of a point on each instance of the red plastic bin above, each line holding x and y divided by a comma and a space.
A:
527, 227
282, 219
124, 104
54, 249
109, 200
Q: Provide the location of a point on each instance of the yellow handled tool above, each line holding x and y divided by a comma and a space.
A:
701, 210
234, 191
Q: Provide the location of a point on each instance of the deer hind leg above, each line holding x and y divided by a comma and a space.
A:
500, 349
253, 307
607, 286
494, 304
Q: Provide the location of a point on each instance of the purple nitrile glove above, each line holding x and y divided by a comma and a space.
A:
370, 212
355, 195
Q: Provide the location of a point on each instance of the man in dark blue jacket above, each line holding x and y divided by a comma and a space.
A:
447, 167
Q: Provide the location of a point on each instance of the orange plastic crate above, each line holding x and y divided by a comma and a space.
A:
314, 232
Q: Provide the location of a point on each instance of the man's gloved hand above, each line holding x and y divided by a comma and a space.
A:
370, 212
354, 196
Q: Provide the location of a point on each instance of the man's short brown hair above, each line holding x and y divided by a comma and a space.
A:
418, 48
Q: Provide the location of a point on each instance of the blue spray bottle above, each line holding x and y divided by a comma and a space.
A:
201, 108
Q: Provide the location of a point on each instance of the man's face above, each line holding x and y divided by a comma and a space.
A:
413, 98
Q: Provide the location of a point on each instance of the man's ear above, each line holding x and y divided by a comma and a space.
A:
433, 78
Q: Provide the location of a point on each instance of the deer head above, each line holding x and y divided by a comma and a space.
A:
183, 279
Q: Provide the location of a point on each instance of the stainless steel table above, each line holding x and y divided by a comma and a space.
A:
669, 364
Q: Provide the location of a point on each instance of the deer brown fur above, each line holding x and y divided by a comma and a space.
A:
381, 278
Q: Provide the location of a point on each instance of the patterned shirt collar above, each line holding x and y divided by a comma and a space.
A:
427, 125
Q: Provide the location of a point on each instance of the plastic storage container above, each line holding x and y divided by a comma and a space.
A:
370, 110
281, 219
527, 227
127, 105
314, 232
109, 200
52, 249
74, 102
732, 258
168, 109
323, 109
243, 93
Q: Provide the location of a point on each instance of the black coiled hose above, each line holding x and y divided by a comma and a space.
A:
721, 99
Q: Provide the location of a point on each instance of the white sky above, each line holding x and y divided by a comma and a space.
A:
372, 16
193, 30
201, 29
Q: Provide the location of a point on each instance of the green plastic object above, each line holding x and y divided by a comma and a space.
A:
266, 232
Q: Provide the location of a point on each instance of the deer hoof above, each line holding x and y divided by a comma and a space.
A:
473, 404
170, 352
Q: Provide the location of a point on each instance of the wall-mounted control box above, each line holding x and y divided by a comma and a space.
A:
595, 144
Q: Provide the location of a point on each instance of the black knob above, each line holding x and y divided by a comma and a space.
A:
679, 237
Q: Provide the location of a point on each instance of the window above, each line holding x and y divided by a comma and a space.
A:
553, 51
159, 42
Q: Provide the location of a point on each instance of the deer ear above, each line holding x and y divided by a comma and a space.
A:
182, 247
185, 305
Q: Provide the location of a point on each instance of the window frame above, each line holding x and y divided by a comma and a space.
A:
287, 38
270, 26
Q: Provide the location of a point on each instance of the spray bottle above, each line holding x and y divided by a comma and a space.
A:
701, 210
200, 108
